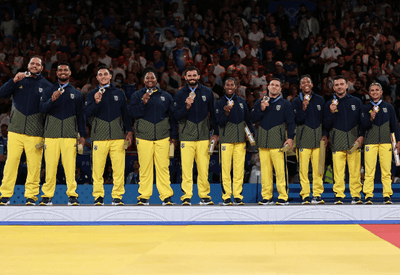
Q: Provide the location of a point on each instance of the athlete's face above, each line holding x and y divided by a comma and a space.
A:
35, 65
340, 87
103, 77
306, 85
230, 88
63, 73
274, 88
192, 77
375, 92
150, 80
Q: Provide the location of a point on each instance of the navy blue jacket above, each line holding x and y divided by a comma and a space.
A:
231, 127
26, 118
384, 124
154, 120
194, 123
309, 128
65, 116
344, 125
110, 117
271, 130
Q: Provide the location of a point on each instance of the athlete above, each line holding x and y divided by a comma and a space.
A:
274, 113
309, 112
63, 105
379, 121
342, 118
192, 106
232, 117
155, 130
107, 108
25, 132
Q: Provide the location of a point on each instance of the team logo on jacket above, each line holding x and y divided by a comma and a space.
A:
183, 145
353, 107
162, 98
319, 107
367, 148
223, 148
95, 147
384, 110
116, 98
72, 96
40, 90
175, 104
241, 105
278, 107
216, 111
204, 97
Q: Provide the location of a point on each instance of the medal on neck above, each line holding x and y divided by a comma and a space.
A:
266, 98
28, 74
192, 94
307, 97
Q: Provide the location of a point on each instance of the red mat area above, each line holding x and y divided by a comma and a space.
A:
388, 232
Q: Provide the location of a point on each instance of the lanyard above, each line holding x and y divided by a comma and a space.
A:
61, 89
192, 89
376, 104
103, 89
276, 99
302, 97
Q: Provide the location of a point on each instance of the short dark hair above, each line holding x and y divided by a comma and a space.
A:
305, 76
36, 56
230, 78
102, 68
339, 77
64, 64
192, 68
277, 79
149, 70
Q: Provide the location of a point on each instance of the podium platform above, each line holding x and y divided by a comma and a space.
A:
184, 215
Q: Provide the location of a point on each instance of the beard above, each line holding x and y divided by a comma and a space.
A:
63, 79
193, 82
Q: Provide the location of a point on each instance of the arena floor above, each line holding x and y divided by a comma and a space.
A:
200, 249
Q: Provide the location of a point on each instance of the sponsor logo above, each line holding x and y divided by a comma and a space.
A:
301, 149
367, 148
223, 148
95, 147
21, 87
183, 145
137, 142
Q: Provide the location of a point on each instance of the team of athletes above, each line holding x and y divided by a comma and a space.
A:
52, 117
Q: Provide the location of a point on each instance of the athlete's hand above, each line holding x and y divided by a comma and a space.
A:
325, 139
146, 97
82, 141
289, 142
189, 102
19, 77
360, 141
264, 104
227, 109
174, 142
97, 97
333, 108
215, 137
398, 146
55, 95
373, 115
305, 104
129, 137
